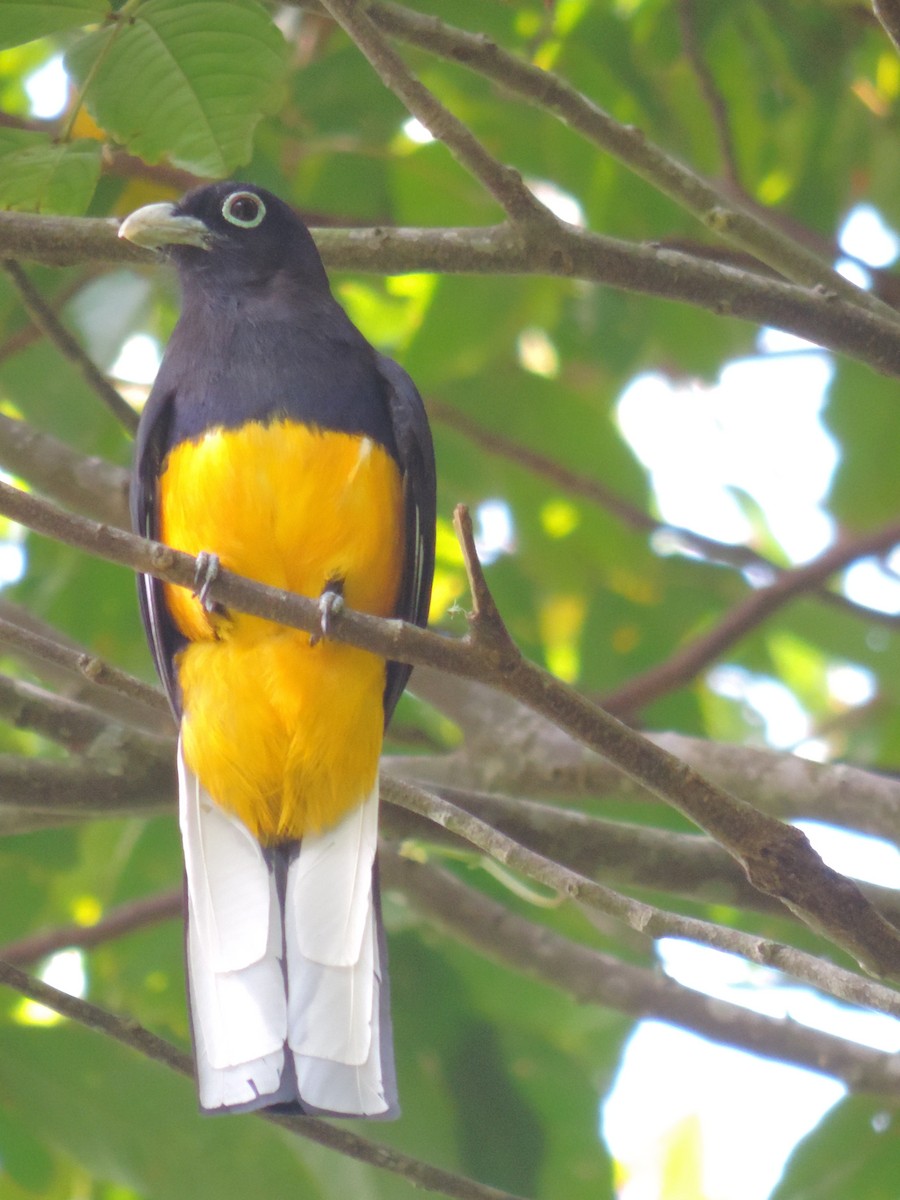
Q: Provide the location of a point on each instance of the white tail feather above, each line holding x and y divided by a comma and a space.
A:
228, 879
341, 1087
332, 966
323, 1005
234, 946
329, 890
330, 1008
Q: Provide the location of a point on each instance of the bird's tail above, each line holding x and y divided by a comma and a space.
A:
287, 966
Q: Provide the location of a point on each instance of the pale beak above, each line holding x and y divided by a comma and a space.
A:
157, 225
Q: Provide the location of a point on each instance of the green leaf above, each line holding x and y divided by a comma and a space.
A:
22, 22
187, 82
37, 175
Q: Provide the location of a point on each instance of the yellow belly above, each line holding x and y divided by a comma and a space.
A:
284, 734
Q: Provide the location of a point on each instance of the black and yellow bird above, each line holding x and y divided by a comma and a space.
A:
279, 443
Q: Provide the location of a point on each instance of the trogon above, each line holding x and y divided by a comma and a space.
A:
277, 443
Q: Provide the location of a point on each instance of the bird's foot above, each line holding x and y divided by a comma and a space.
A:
205, 575
331, 602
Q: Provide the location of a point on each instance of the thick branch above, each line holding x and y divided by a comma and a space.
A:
777, 858
91, 486
80, 788
819, 316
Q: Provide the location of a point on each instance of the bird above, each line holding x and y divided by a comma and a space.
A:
277, 443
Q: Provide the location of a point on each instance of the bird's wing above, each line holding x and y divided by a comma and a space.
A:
416, 456
152, 443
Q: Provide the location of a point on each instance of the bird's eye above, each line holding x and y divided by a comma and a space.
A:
244, 209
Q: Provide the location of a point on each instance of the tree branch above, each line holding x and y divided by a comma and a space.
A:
504, 184
513, 749
50, 325
888, 13
129, 1033
817, 315
777, 858
632, 856
687, 662
78, 788
626, 143
631, 515
715, 102
80, 674
91, 486
644, 918
96, 675
118, 922
592, 977
70, 723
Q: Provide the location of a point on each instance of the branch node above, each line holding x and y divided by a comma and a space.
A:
161, 556
719, 219
90, 666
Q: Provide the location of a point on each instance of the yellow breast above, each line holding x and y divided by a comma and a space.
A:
284, 734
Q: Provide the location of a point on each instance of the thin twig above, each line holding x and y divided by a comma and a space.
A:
592, 977
709, 89
118, 922
504, 184
486, 624
46, 320
687, 662
631, 515
129, 1033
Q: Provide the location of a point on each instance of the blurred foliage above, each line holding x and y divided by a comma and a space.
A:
500, 1076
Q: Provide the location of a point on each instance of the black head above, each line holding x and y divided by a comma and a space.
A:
231, 233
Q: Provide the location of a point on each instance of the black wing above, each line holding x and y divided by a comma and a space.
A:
150, 450
415, 452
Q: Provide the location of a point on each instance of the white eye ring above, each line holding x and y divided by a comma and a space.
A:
237, 198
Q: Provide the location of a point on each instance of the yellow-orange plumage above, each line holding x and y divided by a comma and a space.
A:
284, 734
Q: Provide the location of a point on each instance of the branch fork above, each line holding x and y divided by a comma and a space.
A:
488, 634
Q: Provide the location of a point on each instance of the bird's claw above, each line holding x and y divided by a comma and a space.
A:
331, 602
205, 575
